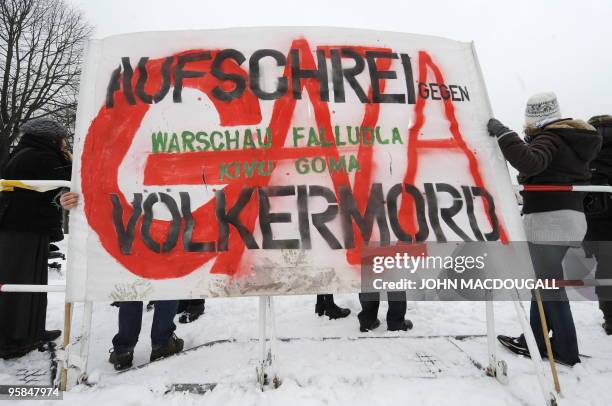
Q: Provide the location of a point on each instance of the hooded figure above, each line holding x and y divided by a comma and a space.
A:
29, 221
556, 151
598, 210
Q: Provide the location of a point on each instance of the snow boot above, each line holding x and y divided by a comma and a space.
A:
192, 311
173, 346
607, 326
403, 326
326, 306
365, 328
121, 361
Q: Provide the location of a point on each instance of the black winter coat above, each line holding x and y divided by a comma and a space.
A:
598, 206
35, 158
557, 154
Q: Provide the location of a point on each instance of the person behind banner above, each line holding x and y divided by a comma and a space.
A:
556, 151
189, 310
598, 211
326, 306
29, 221
163, 340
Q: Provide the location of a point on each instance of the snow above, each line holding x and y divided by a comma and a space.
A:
327, 361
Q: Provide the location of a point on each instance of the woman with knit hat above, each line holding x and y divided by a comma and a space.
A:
29, 221
555, 151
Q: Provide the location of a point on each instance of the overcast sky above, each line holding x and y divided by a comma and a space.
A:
524, 47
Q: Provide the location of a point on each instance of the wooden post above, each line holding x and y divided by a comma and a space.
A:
67, 324
551, 359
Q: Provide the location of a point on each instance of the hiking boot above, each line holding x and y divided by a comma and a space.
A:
121, 361
364, 328
173, 346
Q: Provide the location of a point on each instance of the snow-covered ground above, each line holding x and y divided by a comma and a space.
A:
388, 368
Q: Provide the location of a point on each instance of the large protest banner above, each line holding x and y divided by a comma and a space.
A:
260, 160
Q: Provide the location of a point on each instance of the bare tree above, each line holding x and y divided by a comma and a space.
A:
41, 44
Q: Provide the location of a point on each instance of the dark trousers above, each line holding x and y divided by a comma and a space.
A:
547, 263
23, 260
369, 308
599, 242
603, 254
130, 321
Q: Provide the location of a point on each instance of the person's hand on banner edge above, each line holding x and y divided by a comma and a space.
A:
497, 129
69, 200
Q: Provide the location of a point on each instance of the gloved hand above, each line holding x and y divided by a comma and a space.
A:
496, 128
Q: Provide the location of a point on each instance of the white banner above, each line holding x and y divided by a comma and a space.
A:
261, 160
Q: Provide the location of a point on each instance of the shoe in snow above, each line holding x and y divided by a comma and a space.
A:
121, 361
173, 346
403, 326
607, 326
365, 328
191, 314
515, 344
336, 312
326, 306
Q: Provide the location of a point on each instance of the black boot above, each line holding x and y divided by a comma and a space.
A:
606, 308
364, 328
320, 306
121, 361
607, 326
403, 326
325, 305
173, 346
192, 311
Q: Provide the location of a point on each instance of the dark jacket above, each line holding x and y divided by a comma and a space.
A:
598, 206
557, 154
35, 158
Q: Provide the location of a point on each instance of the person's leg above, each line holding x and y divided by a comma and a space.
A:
548, 264
397, 310
536, 327
603, 254
23, 260
163, 322
564, 341
369, 309
130, 321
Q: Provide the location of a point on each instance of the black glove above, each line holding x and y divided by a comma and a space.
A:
496, 128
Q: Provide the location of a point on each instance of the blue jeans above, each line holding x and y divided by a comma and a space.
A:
130, 321
547, 263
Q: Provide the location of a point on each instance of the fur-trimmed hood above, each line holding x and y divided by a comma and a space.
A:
579, 135
601, 121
